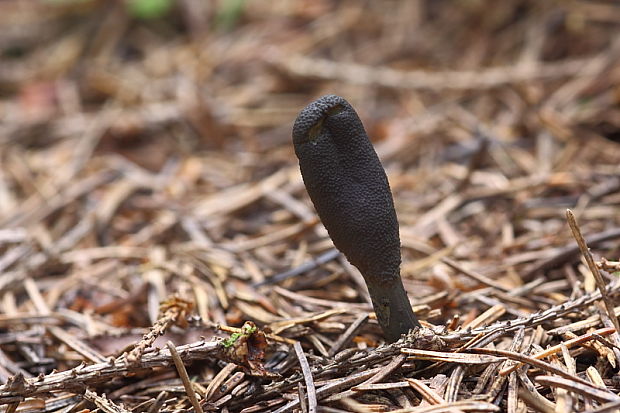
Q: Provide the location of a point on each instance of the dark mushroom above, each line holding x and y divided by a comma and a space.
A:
351, 193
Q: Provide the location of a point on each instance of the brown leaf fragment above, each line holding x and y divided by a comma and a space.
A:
247, 349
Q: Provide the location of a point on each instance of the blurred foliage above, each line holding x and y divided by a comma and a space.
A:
141, 9
63, 2
228, 14
149, 9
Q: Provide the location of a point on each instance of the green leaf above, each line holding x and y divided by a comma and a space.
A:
231, 340
149, 9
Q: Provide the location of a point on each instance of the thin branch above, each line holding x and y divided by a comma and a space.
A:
189, 389
305, 368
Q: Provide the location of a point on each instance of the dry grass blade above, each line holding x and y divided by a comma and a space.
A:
378, 376
347, 336
581, 324
600, 283
381, 386
305, 368
572, 385
536, 401
513, 395
337, 385
605, 408
189, 389
386, 77
460, 358
428, 394
558, 348
463, 406
213, 390
534, 362
77, 345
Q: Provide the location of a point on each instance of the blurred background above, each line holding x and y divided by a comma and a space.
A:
164, 77
146, 144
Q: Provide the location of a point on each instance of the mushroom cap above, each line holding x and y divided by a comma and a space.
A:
348, 186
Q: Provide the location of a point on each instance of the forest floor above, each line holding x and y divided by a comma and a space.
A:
159, 252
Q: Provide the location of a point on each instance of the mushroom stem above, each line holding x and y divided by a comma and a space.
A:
350, 191
392, 308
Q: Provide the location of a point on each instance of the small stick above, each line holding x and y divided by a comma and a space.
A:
600, 283
348, 335
305, 369
189, 389
324, 258
159, 402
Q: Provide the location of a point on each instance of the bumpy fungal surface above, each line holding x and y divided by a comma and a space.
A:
348, 185
350, 191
